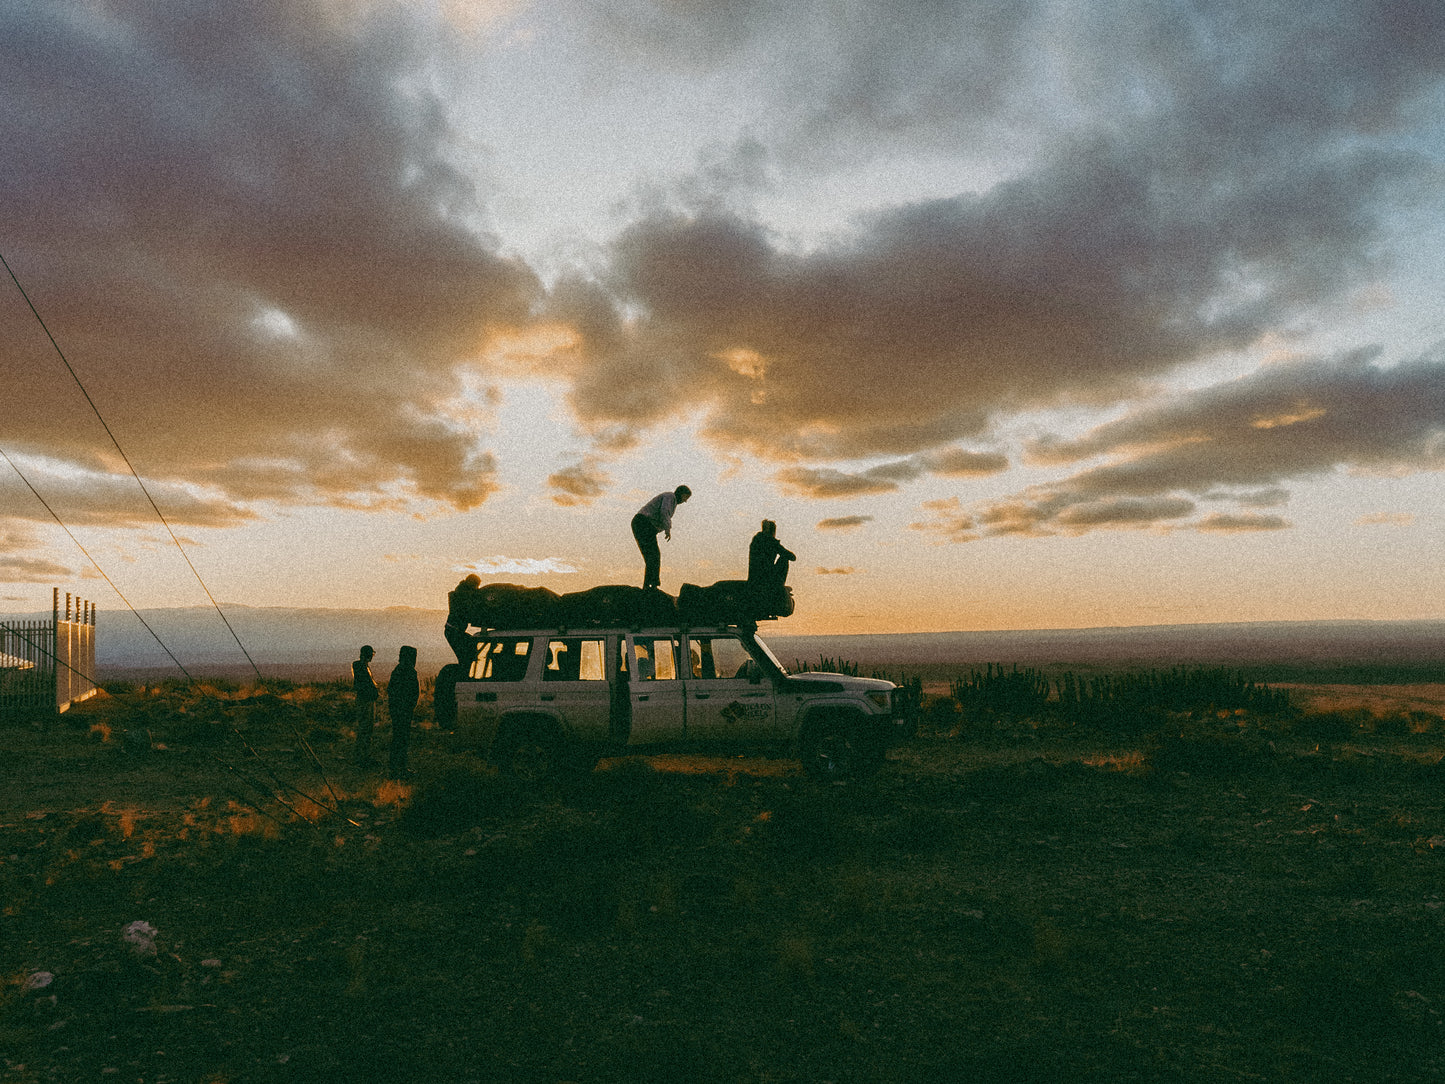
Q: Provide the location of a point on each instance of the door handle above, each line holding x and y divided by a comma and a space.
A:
486, 697
549, 696
702, 696
642, 696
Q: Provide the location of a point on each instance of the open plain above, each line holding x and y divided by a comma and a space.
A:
1216, 899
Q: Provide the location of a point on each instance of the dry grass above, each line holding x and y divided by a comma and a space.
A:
1013, 906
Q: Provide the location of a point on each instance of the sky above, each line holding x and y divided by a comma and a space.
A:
1012, 315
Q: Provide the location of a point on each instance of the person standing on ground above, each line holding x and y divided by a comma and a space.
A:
652, 517
461, 606
367, 695
402, 690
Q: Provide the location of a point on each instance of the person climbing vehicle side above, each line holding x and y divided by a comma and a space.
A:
461, 605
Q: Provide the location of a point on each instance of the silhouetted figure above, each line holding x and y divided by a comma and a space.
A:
768, 561
461, 605
402, 690
366, 696
652, 517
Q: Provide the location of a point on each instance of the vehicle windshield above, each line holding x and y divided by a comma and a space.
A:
761, 649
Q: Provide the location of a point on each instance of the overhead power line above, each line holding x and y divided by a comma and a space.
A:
92, 560
134, 473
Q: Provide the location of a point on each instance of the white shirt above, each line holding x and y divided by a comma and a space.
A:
659, 510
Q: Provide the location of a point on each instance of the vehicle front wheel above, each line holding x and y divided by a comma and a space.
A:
834, 749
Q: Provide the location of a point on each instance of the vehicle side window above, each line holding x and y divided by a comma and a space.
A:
720, 657
574, 659
656, 659
502, 660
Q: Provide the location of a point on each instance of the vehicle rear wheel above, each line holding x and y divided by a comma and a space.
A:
530, 754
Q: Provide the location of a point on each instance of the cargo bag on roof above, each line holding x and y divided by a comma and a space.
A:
615, 605
731, 602
510, 606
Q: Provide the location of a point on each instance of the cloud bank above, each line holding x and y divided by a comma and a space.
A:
251, 229
263, 232
1238, 442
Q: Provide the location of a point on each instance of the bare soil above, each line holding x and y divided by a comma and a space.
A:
1224, 903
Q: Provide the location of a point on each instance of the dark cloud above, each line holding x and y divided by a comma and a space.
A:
579, 484
249, 227
32, 570
1225, 523
843, 523
848, 571
948, 520
1249, 436
84, 499
827, 482
1224, 174
18, 566
835, 82
874, 79
958, 463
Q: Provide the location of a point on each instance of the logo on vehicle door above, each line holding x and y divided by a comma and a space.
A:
737, 711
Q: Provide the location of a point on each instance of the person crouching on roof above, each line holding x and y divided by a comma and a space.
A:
768, 562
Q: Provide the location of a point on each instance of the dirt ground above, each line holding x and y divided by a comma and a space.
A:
1004, 905
1376, 699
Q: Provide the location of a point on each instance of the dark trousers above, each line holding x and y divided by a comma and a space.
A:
400, 739
365, 724
463, 643
645, 532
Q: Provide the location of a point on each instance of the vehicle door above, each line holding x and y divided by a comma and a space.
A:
574, 684
494, 683
656, 688
727, 696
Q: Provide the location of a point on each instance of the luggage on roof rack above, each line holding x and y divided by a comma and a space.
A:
732, 602
511, 606
727, 602
616, 605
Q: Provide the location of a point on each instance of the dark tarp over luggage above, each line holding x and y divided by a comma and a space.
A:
727, 602
732, 602
616, 605
510, 606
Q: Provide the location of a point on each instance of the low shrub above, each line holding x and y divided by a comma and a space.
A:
1331, 726
1201, 747
459, 800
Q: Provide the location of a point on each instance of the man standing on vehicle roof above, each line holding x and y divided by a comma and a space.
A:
652, 517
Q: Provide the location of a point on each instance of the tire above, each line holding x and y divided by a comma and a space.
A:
444, 695
834, 749
531, 751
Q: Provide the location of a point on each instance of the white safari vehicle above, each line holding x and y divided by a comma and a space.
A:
543, 701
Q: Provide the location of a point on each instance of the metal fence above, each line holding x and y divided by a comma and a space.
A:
45, 666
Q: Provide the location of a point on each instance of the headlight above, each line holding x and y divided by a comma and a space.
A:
881, 699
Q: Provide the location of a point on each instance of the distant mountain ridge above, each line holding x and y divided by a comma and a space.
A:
318, 643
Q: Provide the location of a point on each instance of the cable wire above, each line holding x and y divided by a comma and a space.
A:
75, 376
92, 560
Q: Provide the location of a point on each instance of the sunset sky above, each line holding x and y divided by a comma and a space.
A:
1011, 314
